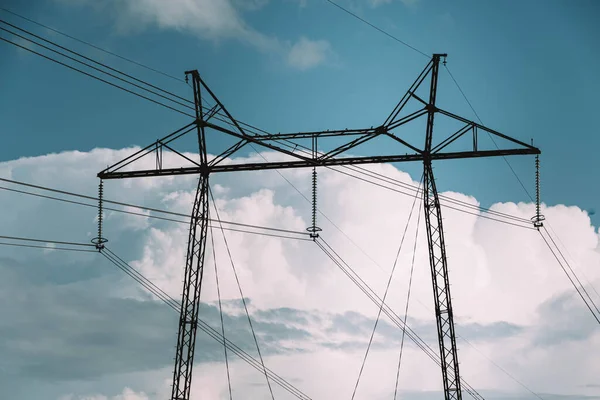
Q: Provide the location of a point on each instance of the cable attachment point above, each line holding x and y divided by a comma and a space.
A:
99, 241
538, 219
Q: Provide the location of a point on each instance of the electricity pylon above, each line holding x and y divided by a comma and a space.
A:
226, 124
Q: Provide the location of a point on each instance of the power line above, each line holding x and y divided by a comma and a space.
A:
377, 28
95, 62
169, 219
92, 45
91, 66
385, 295
572, 258
46, 247
410, 280
445, 205
574, 274
212, 240
241, 294
95, 77
596, 317
213, 333
387, 310
395, 182
47, 241
572, 271
136, 206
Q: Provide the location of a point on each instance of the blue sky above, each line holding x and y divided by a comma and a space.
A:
524, 66
72, 326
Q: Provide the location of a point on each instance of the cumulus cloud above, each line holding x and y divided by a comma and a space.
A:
69, 319
305, 54
217, 21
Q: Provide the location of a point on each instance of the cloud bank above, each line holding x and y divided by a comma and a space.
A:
73, 325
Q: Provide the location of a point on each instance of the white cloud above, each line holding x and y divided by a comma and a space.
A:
305, 53
498, 273
215, 20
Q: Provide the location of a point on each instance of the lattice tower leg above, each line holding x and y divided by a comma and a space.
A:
188, 320
441, 287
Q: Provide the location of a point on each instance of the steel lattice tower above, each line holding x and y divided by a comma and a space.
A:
227, 125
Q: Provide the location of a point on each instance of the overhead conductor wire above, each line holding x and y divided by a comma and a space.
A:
209, 330
242, 295
410, 280
214, 253
385, 295
92, 45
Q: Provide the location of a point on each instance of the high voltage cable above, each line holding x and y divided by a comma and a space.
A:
572, 271
95, 77
31, 246
92, 45
385, 295
573, 258
241, 293
596, 317
410, 280
366, 289
135, 206
94, 61
212, 240
377, 28
396, 182
213, 333
47, 241
167, 219
445, 205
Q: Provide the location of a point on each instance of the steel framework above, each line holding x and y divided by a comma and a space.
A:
182, 374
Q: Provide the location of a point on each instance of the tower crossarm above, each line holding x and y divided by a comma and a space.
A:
315, 162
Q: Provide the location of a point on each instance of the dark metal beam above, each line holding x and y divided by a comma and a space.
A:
317, 162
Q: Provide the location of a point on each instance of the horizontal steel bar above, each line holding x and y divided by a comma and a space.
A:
317, 163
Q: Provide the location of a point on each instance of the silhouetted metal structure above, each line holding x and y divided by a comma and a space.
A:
182, 375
